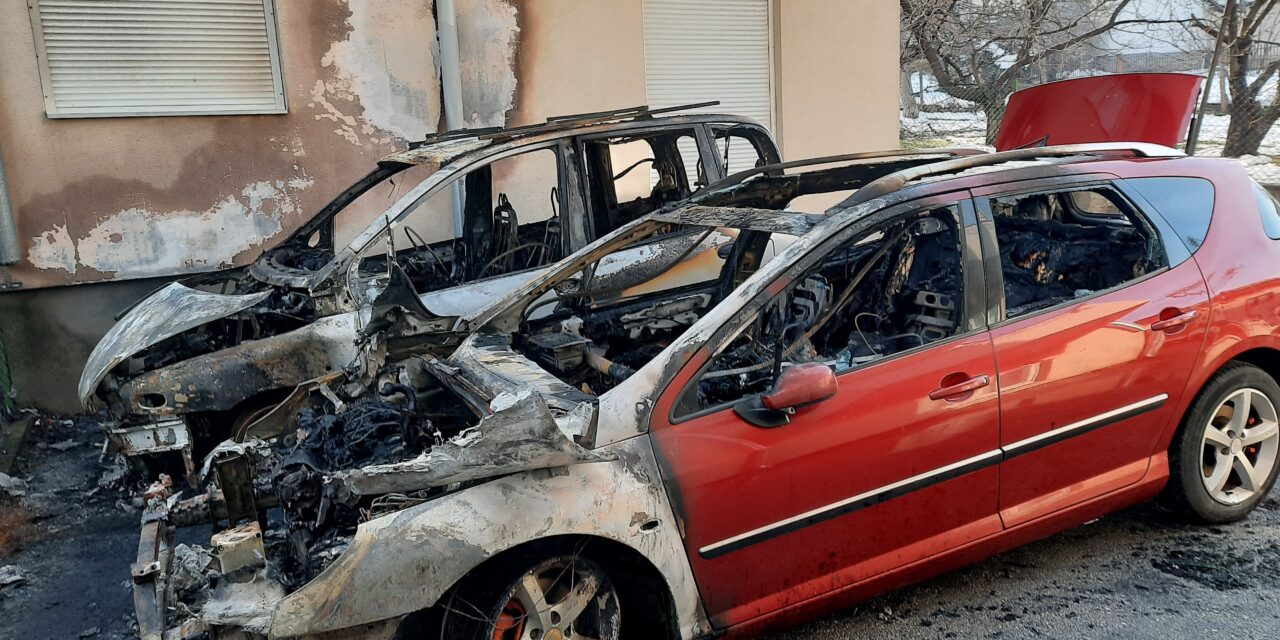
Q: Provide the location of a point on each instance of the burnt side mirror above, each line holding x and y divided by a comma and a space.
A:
797, 387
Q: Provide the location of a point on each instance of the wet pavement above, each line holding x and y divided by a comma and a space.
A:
1139, 574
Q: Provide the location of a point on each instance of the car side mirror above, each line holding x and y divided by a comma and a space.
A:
798, 386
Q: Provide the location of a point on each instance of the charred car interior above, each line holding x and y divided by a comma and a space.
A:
1058, 246
202, 360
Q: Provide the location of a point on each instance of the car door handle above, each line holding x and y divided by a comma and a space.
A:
1176, 322
960, 388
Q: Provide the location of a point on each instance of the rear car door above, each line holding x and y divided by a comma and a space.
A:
1103, 316
900, 464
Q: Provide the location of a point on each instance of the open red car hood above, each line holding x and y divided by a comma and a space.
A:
1130, 107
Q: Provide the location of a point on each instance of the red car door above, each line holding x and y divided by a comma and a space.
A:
1087, 382
900, 464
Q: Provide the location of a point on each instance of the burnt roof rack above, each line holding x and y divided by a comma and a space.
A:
895, 181
557, 123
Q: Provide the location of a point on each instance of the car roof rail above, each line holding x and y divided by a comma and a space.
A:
946, 152
560, 123
557, 123
895, 181
453, 134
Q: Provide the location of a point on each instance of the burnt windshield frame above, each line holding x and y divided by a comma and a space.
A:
323, 221
686, 406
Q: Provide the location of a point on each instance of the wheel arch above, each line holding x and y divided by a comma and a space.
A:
405, 562
1264, 355
645, 588
1265, 358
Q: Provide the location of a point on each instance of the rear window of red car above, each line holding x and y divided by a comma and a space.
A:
1268, 209
1185, 203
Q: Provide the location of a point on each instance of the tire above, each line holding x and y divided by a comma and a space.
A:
1209, 478
564, 596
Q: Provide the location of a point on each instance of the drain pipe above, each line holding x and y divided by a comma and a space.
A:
451, 88
9, 251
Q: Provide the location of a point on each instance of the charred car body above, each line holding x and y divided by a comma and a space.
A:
203, 359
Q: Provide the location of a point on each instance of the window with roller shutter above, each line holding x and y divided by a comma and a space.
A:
702, 50
107, 58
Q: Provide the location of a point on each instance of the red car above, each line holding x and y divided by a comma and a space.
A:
967, 352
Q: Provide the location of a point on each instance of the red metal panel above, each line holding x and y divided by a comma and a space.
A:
729, 477
1062, 367
1133, 107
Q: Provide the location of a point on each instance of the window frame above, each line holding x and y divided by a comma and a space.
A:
998, 315
270, 23
1162, 223
580, 144
564, 201
972, 280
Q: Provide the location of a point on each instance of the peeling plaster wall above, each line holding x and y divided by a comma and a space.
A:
120, 198
386, 69
488, 35
125, 199
576, 56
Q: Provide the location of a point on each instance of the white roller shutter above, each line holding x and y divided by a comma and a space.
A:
700, 50
157, 57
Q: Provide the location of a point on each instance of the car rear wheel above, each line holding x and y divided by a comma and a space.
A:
563, 598
1224, 459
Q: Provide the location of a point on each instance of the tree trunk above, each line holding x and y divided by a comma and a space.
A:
994, 110
1250, 123
910, 109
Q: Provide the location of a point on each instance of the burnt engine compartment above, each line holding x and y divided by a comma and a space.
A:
594, 347
408, 415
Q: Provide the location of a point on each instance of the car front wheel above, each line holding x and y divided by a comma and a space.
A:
562, 598
1224, 459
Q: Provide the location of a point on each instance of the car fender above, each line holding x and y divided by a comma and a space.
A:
1215, 355
406, 561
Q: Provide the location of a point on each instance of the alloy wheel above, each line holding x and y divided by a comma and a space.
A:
1240, 445
568, 598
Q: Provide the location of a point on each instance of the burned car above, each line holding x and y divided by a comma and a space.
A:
474, 212
967, 351
807, 384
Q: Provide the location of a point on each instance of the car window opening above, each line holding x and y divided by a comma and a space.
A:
896, 289
1059, 246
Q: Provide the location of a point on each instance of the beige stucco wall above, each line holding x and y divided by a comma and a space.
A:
836, 76
123, 199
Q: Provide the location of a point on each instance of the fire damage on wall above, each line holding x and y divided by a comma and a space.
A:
431, 408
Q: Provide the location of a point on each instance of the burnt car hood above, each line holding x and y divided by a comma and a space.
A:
164, 314
1127, 107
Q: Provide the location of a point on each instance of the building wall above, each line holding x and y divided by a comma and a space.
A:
131, 202
119, 198
836, 76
